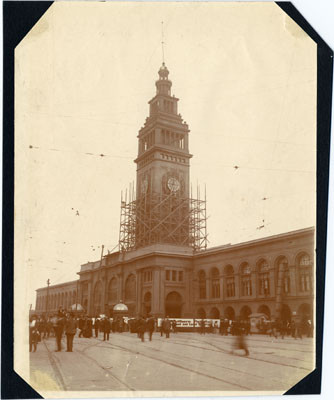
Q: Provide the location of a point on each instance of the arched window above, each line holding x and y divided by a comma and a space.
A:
215, 284
112, 291
264, 282
284, 274
304, 266
230, 283
202, 284
130, 288
246, 279
201, 313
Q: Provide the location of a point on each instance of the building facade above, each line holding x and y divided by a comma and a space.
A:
163, 265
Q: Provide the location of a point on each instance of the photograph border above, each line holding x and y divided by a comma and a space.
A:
18, 18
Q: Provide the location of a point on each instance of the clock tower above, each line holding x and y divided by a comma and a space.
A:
162, 187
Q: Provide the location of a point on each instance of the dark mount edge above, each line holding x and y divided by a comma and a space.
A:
311, 384
18, 18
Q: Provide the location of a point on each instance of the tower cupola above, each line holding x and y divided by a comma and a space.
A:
163, 84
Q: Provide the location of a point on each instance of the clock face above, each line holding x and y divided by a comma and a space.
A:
173, 185
144, 186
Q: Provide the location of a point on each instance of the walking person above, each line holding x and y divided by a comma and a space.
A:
283, 326
150, 326
106, 328
141, 328
70, 330
240, 343
162, 328
96, 327
299, 328
33, 333
293, 329
166, 327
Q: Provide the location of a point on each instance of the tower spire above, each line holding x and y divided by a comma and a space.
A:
162, 42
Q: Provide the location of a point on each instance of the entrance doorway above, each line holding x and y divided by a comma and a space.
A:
245, 312
173, 305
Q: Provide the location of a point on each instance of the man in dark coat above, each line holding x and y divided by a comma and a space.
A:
96, 327
106, 328
70, 330
58, 328
141, 328
150, 326
166, 327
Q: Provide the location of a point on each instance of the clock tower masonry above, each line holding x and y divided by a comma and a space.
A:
162, 187
163, 151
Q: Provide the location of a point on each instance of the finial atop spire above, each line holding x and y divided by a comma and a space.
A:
162, 42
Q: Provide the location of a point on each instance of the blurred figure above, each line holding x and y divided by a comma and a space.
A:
240, 342
33, 333
272, 329
293, 329
162, 327
166, 327
82, 325
96, 327
141, 328
150, 326
106, 328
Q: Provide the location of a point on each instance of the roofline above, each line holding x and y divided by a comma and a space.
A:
58, 284
229, 247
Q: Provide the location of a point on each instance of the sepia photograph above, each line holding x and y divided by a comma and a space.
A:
165, 200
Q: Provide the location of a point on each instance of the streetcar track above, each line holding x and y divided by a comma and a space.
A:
278, 348
266, 361
104, 369
228, 351
55, 367
249, 357
271, 342
101, 343
174, 365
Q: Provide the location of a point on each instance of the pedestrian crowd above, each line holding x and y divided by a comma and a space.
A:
67, 324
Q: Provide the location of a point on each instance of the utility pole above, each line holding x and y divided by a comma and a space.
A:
47, 297
76, 299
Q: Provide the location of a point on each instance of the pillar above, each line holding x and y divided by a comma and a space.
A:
187, 307
156, 307
138, 292
90, 297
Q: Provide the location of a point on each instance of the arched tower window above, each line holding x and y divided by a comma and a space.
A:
246, 279
304, 266
215, 284
264, 282
230, 282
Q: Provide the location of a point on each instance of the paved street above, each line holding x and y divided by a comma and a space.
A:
185, 361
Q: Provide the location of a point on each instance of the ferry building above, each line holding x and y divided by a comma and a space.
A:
163, 265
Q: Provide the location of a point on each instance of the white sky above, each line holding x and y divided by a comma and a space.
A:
246, 78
